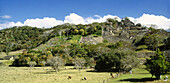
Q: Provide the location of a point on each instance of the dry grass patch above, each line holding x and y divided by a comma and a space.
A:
47, 75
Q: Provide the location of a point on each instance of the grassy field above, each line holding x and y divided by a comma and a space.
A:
138, 76
48, 75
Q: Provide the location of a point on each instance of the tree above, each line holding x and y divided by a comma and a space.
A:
76, 50
157, 65
129, 61
116, 60
76, 31
167, 42
106, 62
32, 64
55, 63
81, 31
152, 41
138, 25
79, 62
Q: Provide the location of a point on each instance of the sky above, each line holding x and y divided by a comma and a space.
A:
49, 13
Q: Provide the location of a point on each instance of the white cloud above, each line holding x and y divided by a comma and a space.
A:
75, 19
97, 16
145, 19
5, 16
45, 22
101, 19
10, 24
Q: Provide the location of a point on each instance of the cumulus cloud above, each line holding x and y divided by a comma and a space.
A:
74, 18
145, 19
10, 24
45, 22
5, 16
148, 20
101, 19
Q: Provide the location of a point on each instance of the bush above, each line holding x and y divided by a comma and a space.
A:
141, 47
105, 41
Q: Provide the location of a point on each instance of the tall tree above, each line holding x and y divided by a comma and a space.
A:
55, 62
157, 65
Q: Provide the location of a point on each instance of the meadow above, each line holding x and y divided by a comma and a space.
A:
139, 75
48, 75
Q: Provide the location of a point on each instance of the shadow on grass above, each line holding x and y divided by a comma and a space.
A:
47, 72
139, 80
101, 71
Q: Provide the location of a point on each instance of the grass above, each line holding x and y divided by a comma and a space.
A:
3, 54
139, 75
145, 50
47, 75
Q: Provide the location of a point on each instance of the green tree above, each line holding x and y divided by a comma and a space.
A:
81, 31
152, 41
76, 50
129, 61
157, 65
55, 62
79, 62
106, 62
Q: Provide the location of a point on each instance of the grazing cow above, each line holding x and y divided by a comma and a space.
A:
85, 78
69, 77
111, 75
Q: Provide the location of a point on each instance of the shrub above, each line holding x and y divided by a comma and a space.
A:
105, 41
55, 62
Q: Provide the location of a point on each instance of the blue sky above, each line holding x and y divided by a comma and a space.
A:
21, 10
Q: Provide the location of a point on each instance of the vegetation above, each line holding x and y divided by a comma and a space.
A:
17, 38
55, 63
157, 65
153, 39
139, 75
123, 60
115, 46
48, 75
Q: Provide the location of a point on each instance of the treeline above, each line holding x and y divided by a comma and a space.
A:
104, 54
17, 38
155, 38
84, 30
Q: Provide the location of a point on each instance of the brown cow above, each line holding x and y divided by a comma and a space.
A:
69, 77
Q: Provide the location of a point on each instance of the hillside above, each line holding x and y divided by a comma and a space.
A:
90, 49
112, 31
